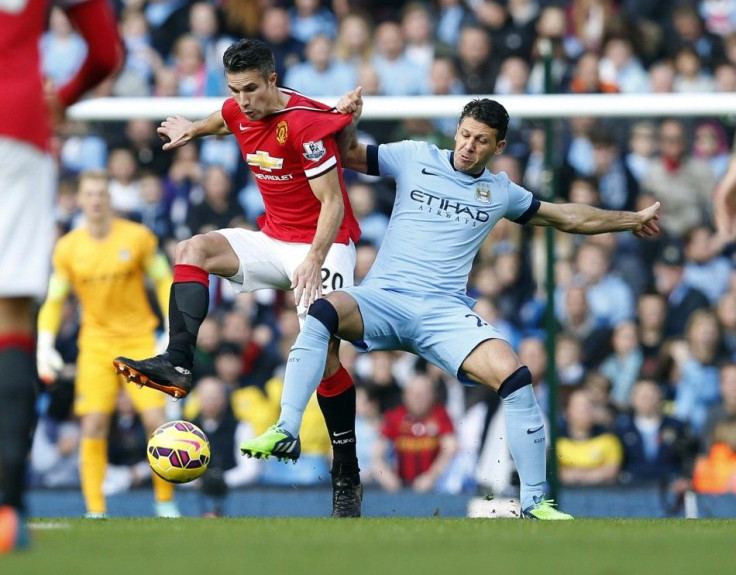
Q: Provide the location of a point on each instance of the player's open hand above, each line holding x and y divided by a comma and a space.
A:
174, 130
351, 103
307, 282
648, 226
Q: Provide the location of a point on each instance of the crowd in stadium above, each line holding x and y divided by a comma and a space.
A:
646, 349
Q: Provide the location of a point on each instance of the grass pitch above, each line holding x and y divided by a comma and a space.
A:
295, 546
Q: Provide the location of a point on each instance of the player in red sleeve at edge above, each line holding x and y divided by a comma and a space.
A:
306, 240
27, 190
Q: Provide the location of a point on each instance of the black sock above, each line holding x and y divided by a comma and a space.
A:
18, 388
188, 307
339, 414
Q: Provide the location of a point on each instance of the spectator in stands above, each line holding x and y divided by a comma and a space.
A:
724, 408
365, 255
219, 208
398, 76
725, 78
307, 19
706, 269
642, 147
373, 223
586, 78
153, 210
586, 454
196, 79
657, 447
225, 433
62, 49
711, 144
275, 31
617, 186
141, 60
621, 67
689, 74
168, 20
682, 183
126, 449
421, 47
204, 25
551, 25
452, 14
81, 149
598, 388
716, 473
476, 68
139, 136
569, 363
578, 322
378, 374
687, 29
610, 299
697, 363
651, 314
682, 300
208, 341
321, 74
662, 77
125, 186
622, 368
367, 430
354, 44
421, 435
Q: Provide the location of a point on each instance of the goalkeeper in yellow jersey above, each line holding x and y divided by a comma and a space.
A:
105, 262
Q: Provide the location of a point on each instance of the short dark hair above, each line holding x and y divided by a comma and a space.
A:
249, 54
489, 112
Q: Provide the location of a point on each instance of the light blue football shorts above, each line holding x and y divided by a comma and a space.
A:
441, 329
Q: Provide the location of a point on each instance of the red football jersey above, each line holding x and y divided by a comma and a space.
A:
284, 151
23, 114
416, 441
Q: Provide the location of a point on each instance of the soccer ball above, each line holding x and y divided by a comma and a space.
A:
178, 452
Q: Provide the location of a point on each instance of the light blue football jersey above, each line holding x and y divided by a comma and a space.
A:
440, 218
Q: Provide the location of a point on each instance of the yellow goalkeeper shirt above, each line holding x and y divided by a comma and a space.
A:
108, 277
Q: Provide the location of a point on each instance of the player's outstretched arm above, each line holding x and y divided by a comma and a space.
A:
585, 219
177, 131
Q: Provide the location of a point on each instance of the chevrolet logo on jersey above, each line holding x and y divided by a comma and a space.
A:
264, 161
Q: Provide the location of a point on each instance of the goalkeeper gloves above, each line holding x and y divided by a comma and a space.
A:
48, 359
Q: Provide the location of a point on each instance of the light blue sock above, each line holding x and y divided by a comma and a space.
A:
304, 370
526, 440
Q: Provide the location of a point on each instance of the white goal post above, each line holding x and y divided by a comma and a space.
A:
397, 108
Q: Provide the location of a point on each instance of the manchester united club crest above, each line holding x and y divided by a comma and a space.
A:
282, 132
314, 151
483, 193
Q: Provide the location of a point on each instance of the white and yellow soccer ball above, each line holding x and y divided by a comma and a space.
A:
178, 451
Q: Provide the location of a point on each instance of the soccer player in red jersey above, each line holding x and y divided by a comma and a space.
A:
27, 183
306, 238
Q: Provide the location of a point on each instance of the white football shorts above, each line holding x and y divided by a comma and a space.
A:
27, 192
269, 263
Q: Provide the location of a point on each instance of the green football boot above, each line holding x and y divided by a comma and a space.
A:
544, 509
275, 441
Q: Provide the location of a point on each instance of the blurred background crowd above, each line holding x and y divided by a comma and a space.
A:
646, 352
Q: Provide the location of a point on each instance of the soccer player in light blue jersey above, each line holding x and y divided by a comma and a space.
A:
414, 297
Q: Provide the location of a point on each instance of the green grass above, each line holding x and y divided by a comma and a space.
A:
375, 546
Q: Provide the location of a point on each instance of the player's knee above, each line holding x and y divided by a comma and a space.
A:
323, 311
192, 251
520, 378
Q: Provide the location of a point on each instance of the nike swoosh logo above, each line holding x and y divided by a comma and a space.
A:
336, 434
428, 173
243, 128
530, 431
